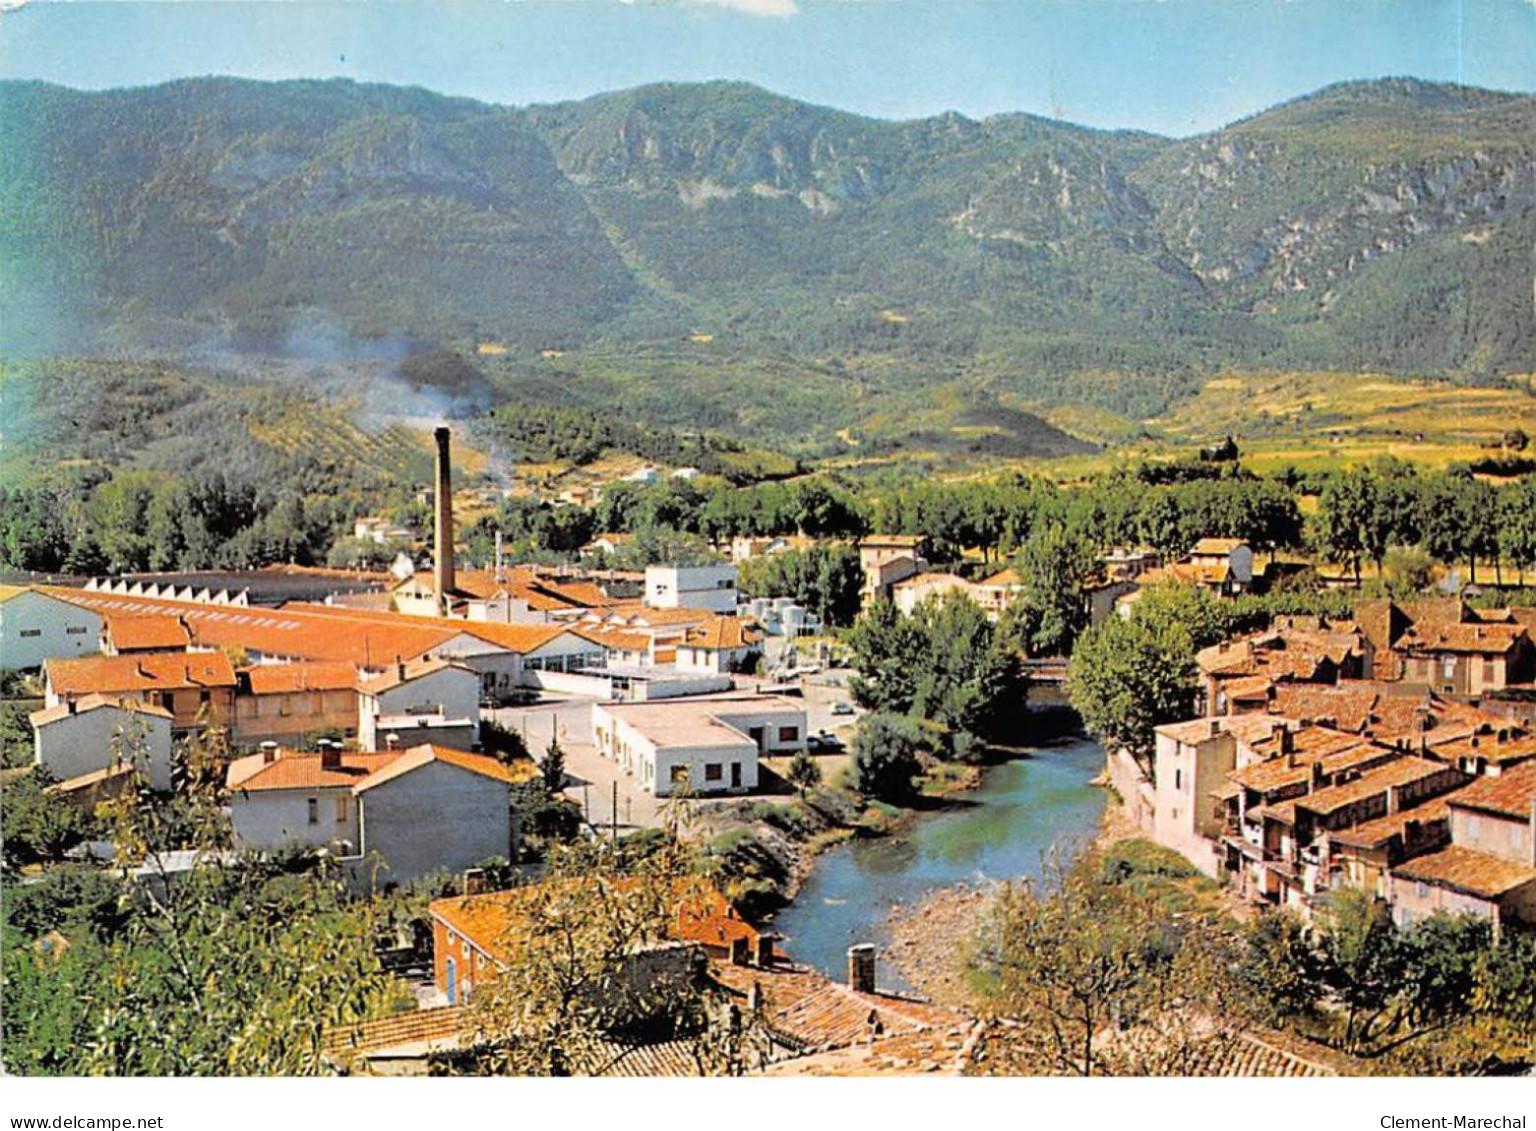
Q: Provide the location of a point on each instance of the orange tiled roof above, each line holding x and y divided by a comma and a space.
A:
720, 634
1468, 871
1477, 639
306, 675
303, 632
1004, 579
1373, 781
809, 1011
162, 671
92, 703
487, 920
1377, 832
359, 771
1497, 749
407, 672
1509, 794
139, 633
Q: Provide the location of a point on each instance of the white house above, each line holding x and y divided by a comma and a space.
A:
436, 691
711, 587
96, 732
413, 812
704, 746
718, 646
909, 594
36, 626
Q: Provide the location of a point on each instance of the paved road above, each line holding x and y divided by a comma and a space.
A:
590, 777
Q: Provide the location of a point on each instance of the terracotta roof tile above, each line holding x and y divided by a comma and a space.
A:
1468, 871
92, 703
162, 671
308, 675
142, 633
1511, 793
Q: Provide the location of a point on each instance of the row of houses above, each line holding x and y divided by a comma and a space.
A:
1392, 753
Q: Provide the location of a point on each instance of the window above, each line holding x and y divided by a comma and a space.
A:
789, 734
314, 810
679, 775
341, 810
1178, 779
76, 630
1448, 665
27, 632
713, 771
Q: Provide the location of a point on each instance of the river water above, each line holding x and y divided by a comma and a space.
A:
1002, 831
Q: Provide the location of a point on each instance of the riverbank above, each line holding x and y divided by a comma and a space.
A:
930, 939
917, 892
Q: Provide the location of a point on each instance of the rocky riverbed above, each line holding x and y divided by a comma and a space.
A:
930, 940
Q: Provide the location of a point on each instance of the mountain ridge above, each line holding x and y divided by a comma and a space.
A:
1374, 223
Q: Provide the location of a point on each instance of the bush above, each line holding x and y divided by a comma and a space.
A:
1138, 857
69, 898
885, 757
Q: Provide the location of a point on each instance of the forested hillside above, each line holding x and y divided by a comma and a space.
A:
767, 263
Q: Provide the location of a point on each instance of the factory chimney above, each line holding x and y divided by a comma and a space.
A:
442, 545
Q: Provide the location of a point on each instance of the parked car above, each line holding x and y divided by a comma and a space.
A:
823, 743
842, 707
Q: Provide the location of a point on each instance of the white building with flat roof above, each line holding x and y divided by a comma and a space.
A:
711, 587
703, 746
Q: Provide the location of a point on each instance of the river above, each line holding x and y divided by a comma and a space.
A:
1000, 831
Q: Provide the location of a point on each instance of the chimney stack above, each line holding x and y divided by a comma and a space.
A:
442, 545
474, 881
330, 756
861, 968
268, 753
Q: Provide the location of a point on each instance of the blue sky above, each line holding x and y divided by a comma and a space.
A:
1174, 66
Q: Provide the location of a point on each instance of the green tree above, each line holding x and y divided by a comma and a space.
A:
553, 766
804, 772
1047, 616
1127, 677
885, 757
1351, 524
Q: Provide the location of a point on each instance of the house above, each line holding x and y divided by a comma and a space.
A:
36, 625
995, 593
606, 544
701, 745
744, 548
1489, 868
711, 587
645, 476
1224, 566
283, 702
413, 812
1467, 660
196, 687
475, 934
1191, 760
718, 646
1238, 675
908, 594
886, 559
1227, 560
130, 635
436, 696
96, 733
1128, 563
